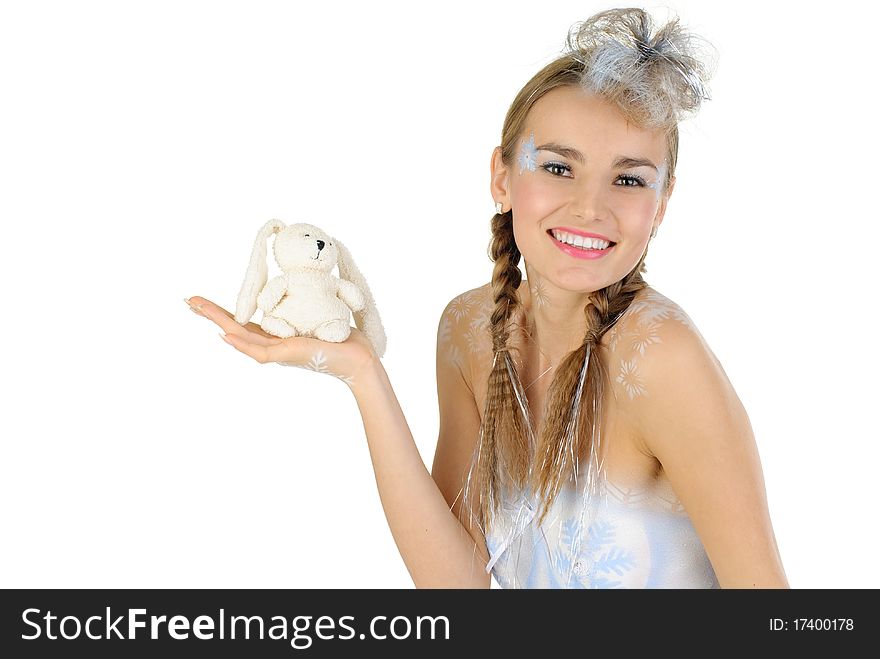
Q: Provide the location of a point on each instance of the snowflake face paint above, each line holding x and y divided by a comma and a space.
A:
661, 177
528, 154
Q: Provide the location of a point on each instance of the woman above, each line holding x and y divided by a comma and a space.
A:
588, 435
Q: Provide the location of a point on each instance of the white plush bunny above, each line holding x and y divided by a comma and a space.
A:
307, 300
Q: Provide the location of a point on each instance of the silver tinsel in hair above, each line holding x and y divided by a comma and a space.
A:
659, 78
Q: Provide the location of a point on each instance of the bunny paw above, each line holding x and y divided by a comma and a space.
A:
335, 331
277, 327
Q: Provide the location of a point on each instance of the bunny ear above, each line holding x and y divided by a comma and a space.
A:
257, 273
367, 319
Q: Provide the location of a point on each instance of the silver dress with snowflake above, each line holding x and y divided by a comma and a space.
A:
622, 539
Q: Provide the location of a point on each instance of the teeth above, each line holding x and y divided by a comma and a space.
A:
580, 241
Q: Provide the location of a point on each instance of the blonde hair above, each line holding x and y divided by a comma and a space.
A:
654, 79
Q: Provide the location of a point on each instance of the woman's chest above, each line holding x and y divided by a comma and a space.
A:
625, 461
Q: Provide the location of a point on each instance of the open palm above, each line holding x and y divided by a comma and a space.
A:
342, 360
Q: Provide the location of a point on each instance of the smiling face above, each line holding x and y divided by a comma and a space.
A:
581, 170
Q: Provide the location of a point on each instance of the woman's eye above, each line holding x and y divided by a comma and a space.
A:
628, 180
554, 167
631, 181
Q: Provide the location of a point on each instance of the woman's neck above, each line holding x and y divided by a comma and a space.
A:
553, 317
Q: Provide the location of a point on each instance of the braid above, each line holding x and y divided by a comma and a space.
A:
506, 277
503, 424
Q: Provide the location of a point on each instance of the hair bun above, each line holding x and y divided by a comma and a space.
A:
659, 77
648, 51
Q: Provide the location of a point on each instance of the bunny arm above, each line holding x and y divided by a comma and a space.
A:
350, 294
272, 293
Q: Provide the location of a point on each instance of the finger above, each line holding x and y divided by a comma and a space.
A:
226, 321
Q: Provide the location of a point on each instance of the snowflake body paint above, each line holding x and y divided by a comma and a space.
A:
318, 363
528, 154
630, 378
661, 176
539, 293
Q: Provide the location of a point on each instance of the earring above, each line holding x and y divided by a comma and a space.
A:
498, 207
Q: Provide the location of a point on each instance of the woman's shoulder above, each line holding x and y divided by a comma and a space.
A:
651, 307
653, 339
464, 328
650, 316
653, 334
648, 313
472, 307
470, 299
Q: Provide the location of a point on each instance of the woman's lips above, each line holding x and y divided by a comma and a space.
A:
579, 253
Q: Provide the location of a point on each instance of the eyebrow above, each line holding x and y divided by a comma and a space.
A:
574, 154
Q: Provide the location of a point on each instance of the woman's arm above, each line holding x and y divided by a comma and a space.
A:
459, 417
692, 421
436, 548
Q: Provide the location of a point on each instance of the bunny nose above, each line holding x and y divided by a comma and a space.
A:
320, 245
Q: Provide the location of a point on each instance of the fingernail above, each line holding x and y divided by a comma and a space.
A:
196, 311
223, 336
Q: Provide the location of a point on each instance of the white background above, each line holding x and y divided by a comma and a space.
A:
143, 144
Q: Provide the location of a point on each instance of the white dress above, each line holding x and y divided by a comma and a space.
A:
624, 538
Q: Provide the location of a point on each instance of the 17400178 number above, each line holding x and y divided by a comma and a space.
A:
811, 624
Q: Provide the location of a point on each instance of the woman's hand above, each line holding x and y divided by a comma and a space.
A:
342, 360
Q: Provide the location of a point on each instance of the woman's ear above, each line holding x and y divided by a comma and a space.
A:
499, 181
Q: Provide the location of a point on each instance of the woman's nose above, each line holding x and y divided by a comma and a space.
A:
587, 200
